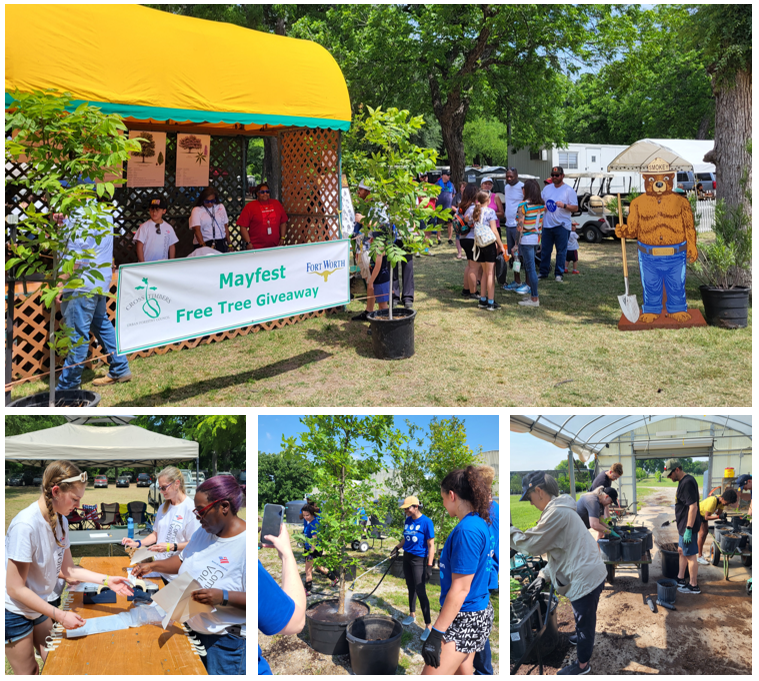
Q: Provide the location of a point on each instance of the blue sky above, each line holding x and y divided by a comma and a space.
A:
480, 430
529, 453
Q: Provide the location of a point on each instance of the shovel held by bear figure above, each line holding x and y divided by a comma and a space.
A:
628, 303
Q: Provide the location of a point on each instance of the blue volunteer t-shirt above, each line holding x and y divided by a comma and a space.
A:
310, 530
275, 609
467, 552
493, 527
416, 534
445, 198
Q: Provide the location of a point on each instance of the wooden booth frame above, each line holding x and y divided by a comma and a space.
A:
306, 179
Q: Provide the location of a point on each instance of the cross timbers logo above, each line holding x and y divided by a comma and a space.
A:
150, 307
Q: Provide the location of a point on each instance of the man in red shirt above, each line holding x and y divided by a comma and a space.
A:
263, 222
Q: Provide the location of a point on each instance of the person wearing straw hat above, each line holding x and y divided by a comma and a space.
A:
688, 521
418, 554
574, 564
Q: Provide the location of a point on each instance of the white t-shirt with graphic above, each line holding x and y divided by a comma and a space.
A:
30, 540
178, 525
216, 563
156, 246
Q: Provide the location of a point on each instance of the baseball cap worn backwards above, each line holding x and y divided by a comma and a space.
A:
530, 481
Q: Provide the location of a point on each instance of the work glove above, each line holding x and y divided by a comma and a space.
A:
537, 586
688, 536
612, 533
431, 648
394, 552
427, 573
723, 516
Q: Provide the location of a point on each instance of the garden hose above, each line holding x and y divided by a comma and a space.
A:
392, 560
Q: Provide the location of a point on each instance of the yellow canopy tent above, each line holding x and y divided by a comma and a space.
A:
150, 66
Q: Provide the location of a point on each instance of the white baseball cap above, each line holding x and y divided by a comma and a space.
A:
486, 179
362, 185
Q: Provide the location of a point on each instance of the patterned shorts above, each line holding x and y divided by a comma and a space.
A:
470, 630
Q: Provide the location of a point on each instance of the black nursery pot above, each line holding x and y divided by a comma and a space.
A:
374, 642
726, 308
63, 398
392, 338
327, 635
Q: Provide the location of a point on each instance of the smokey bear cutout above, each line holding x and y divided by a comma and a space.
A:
661, 221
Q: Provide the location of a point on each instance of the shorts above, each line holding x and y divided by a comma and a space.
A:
310, 555
468, 246
382, 292
18, 626
572, 256
470, 630
688, 549
511, 238
487, 254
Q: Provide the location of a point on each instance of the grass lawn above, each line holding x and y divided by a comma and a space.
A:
568, 352
665, 482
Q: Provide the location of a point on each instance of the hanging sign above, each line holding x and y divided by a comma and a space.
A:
193, 154
147, 166
174, 300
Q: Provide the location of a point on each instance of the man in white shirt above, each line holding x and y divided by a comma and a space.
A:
561, 202
156, 238
512, 197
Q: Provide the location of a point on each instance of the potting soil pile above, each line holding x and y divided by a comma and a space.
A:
669, 547
327, 612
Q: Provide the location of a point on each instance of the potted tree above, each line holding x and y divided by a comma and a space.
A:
66, 155
380, 153
724, 265
342, 468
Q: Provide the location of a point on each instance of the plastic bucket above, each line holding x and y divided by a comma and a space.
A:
670, 564
730, 543
730, 472
392, 338
743, 541
610, 548
374, 642
737, 523
63, 398
632, 550
726, 308
666, 590
328, 637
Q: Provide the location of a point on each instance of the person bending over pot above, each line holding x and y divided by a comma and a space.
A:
591, 507
574, 562
215, 557
466, 615
712, 508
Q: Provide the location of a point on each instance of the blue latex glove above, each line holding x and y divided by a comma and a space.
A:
688, 536
614, 534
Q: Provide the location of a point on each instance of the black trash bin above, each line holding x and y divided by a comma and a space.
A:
374, 642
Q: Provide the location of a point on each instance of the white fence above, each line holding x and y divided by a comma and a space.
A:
705, 215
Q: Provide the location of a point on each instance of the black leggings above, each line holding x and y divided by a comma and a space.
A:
413, 571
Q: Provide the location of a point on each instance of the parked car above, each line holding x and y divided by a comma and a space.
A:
37, 480
144, 480
23, 479
101, 481
122, 481
129, 476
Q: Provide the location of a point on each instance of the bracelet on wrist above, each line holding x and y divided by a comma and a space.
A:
139, 543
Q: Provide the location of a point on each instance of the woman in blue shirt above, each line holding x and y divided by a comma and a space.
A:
310, 529
466, 616
418, 553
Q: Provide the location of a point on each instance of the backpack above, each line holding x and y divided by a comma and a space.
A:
460, 225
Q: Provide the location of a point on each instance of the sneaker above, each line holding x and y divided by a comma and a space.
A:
483, 304
108, 380
308, 594
459, 257
680, 582
702, 560
417, 255
689, 589
465, 292
334, 582
363, 317
542, 276
559, 277
575, 271
573, 639
574, 668
529, 302
408, 620
408, 304
426, 633
510, 287
493, 306
522, 290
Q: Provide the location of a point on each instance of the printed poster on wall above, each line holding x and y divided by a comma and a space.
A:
193, 154
173, 300
146, 167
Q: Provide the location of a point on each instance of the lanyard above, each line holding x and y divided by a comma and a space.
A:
212, 215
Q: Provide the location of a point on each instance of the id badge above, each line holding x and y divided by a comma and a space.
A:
268, 230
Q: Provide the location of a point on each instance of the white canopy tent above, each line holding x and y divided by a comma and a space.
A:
86, 445
725, 440
680, 154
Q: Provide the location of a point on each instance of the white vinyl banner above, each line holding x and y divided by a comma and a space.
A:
174, 300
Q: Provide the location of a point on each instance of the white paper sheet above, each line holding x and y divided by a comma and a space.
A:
98, 535
141, 554
101, 625
176, 600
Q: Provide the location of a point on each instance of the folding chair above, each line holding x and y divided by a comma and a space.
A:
111, 514
138, 512
75, 520
91, 517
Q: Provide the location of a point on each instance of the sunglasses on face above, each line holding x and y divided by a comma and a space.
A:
165, 487
209, 200
555, 174
264, 191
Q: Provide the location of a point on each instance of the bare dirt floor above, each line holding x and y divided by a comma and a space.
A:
293, 655
707, 634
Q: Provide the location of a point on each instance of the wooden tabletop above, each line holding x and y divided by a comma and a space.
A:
148, 649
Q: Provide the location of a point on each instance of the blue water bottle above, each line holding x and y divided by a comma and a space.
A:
130, 528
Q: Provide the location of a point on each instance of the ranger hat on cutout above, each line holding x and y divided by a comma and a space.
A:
670, 465
530, 481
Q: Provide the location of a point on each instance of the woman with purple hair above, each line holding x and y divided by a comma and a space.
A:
215, 557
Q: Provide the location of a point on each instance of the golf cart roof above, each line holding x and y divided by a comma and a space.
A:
595, 176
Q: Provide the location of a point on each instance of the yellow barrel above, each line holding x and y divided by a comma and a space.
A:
730, 472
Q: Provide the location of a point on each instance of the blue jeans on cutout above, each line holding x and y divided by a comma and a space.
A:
225, 654
527, 251
585, 622
85, 314
658, 271
554, 236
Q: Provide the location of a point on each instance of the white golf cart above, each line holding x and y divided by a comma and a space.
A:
596, 217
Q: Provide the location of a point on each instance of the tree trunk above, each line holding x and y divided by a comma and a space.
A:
341, 595
732, 132
703, 127
451, 115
